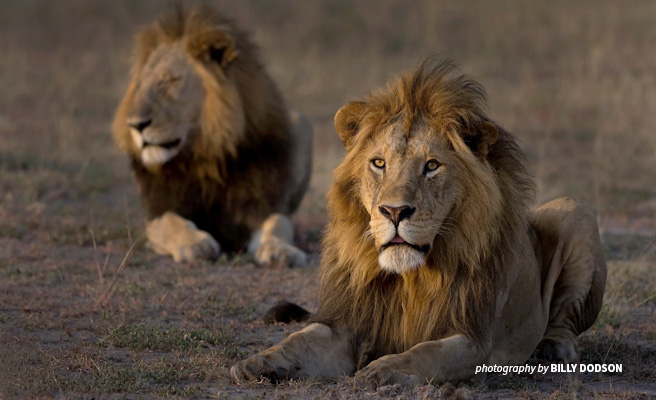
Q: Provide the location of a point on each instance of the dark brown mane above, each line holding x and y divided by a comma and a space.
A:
180, 23
456, 291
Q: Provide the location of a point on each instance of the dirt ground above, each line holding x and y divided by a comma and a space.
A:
87, 310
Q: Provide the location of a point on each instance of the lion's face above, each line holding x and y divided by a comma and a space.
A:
181, 86
408, 188
415, 179
166, 105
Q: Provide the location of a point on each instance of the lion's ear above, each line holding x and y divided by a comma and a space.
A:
479, 142
347, 121
215, 46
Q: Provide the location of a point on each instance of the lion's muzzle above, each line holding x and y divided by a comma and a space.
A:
397, 214
139, 124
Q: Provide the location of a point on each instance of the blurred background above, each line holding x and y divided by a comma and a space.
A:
575, 81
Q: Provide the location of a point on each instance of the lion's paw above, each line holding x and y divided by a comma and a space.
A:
275, 252
557, 351
385, 371
270, 365
173, 235
202, 246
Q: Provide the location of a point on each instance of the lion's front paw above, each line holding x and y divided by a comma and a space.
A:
180, 238
202, 246
272, 366
387, 370
275, 252
557, 350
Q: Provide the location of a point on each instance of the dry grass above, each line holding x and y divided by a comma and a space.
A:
82, 316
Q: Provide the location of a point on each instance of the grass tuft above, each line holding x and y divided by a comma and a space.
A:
140, 337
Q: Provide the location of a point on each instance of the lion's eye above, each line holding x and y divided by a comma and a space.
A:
431, 165
378, 163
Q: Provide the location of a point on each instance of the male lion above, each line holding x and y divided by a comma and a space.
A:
432, 263
211, 145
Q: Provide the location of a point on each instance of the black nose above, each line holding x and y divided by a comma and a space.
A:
397, 214
139, 124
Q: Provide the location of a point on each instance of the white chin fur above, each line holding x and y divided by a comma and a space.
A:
155, 155
401, 259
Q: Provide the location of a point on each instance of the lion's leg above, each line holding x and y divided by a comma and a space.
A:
170, 234
451, 359
273, 243
573, 271
317, 351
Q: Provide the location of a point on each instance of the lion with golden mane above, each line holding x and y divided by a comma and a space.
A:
432, 262
219, 162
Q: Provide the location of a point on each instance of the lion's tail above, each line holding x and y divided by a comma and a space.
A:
285, 312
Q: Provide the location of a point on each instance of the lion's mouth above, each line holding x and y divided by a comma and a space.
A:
167, 145
399, 241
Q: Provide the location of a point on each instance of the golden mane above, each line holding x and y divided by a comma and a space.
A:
455, 291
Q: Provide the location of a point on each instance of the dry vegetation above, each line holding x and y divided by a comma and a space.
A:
86, 310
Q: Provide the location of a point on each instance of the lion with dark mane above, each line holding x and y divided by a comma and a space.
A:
219, 162
432, 262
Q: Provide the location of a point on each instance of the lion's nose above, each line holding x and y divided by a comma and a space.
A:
139, 124
397, 214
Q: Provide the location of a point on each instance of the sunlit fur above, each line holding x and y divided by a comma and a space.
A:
234, 164
453, 291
